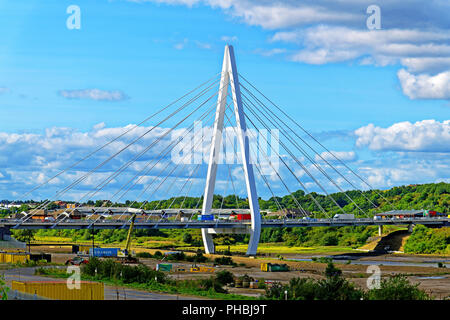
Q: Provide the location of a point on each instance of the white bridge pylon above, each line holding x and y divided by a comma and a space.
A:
230, 78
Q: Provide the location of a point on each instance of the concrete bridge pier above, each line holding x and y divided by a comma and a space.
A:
411, 227
380, 230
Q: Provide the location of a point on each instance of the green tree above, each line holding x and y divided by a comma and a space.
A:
187, 238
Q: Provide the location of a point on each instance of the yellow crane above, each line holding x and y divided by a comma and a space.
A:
126, 252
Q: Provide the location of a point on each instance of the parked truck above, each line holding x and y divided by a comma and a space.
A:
104, 252
206, 217
274, 267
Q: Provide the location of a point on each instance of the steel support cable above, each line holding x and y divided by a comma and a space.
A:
138, 156
290, 193
286, 134
287, 188
126, 165
194, 172
264, 178
229, 176
257, 167
46, 203
116, 138
317, 141
161, 156
228, 122
189, 189
154, 179
201, 141
307, 156
320, 169
232, 184
170, 186
166, 152
117, 153
228, 166
167, 191
295, 159
167, 177
301, 183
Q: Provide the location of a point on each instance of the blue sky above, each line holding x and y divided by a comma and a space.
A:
317, 60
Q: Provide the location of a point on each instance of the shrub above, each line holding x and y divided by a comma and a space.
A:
226, 261
334, 287
143, 255
224, 277
199, 257
397, 287
187, 238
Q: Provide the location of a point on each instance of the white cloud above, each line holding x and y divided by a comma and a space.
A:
342, 155
432, 65
181, 45
424, 86
396, 172
335, 31
229, 38
4, 90
425, 136
94, 94
203, 45
271, 52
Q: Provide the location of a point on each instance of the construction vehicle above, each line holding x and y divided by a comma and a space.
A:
196, 268
274, 267
124, 255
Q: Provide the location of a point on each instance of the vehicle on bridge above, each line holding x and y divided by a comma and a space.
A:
342, 216
205, 217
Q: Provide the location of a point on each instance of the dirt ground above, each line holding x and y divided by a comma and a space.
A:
432, 279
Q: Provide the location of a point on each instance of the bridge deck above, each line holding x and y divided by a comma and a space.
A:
168, 224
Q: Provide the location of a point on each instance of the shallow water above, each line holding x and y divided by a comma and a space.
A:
382, 262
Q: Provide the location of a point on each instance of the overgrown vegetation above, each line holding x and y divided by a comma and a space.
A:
336, 287
397, 287
427, 240
225, 261
142, 277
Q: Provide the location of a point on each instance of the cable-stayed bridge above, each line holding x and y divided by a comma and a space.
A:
213, 139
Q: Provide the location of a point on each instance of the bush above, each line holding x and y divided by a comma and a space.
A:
397, 287
176, 256
226, 261
224, 277
143, 255
109, 269
199, 257
334, 287
187, 238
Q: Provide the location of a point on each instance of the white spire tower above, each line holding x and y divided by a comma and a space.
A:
230, 78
